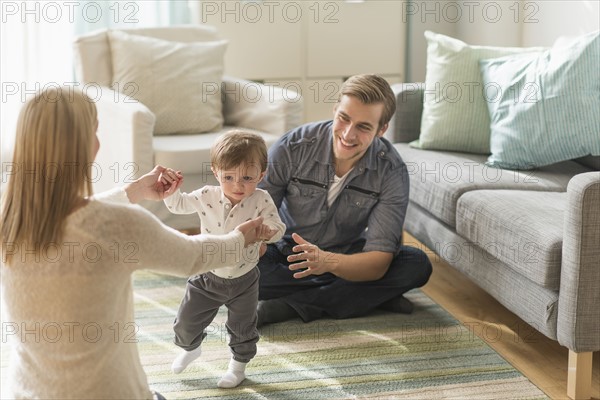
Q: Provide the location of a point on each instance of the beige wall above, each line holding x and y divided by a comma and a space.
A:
309, 45
561, 18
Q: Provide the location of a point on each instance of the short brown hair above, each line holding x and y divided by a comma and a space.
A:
238, 147
371, 89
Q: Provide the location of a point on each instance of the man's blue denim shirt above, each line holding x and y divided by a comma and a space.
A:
375, 195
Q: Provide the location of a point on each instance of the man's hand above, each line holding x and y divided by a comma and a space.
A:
313, 260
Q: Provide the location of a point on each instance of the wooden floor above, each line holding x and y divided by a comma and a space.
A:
542, 360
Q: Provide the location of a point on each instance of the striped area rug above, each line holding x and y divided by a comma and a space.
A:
425, 355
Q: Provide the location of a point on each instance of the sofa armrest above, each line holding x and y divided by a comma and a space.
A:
125, 129
268, 109
579, 296
405, 125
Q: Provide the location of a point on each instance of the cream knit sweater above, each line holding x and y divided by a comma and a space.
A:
70, 311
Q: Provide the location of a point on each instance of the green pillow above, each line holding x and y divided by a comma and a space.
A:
545, 107
455, 115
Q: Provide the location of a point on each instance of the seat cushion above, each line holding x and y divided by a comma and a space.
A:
438, 179
191, 153
523, 229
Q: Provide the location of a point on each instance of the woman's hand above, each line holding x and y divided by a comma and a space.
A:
265, 232
170, 180
255, 231
250, 230
155, 185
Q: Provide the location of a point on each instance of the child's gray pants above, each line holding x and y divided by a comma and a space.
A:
203, 296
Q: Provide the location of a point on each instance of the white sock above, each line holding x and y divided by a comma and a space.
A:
184, 359
234, 376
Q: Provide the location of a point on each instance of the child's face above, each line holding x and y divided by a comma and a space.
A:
239, 182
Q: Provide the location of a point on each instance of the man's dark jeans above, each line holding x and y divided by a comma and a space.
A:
326, 295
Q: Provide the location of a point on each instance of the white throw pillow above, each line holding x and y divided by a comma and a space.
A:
266, 109
455, 115
179, 82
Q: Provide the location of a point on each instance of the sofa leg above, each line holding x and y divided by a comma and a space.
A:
579, 379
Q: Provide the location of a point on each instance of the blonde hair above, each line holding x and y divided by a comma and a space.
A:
238, 147
371, 89
53, 155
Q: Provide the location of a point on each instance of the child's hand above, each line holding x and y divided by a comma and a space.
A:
170, 180
265, 232
262, 250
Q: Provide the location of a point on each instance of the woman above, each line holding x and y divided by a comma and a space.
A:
67, 258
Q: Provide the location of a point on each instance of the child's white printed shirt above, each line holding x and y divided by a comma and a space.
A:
218, 216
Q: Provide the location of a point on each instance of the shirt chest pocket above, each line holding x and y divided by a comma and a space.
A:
359, 203
306, 198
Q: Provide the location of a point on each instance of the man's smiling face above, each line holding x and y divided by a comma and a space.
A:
355, 126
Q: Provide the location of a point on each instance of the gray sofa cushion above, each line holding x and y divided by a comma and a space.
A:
523, 229
534, 304
438, 179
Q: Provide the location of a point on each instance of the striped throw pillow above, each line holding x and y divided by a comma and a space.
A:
544, 108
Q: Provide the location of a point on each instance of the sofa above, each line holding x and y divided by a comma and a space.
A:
166, 59
529, 238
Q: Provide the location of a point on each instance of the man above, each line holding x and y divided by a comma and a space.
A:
342, 191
